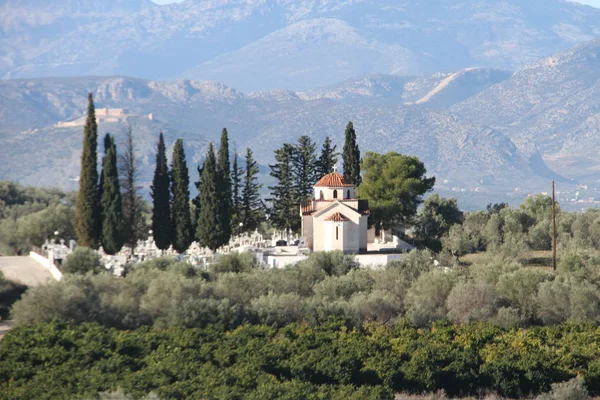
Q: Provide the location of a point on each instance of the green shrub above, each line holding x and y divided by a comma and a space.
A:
82, 261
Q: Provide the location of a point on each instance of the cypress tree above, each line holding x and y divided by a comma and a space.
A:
224, 188
304, 165
128, 166
87, 212
284, 199
327, 159
209, 231
196, 200
161, 213
181, 223
252, 207
236, 193
351, 157
111, 203
108, 142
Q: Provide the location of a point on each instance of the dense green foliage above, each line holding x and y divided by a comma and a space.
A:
394, 184
81, 261
87, 213
304, 166
251, 212
209, 230
161, 205
111, 204
236, 289
133, 206
327, 159
10, 292
436, 217
181, 221
351, 156
511, 232
237, 173
283, 193
29, 216
329, 361
224, 209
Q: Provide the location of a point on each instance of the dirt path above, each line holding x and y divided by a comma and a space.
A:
24, 270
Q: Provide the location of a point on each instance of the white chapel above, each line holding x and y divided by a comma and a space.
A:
334, 219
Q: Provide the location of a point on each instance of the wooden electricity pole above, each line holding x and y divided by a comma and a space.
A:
553, 229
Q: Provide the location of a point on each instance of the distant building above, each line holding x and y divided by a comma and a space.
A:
334, 219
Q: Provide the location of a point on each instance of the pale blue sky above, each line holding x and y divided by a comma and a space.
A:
595, 3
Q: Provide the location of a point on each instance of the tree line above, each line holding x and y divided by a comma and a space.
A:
107, 208
329, 361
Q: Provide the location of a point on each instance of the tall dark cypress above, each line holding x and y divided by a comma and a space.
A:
284, 199
236, 193
111, 203
252, 211
224, 187
87, 212
327, 159
161, 210
181, 224
108, 142
304, 165
196, 200
209, 230
132, 204
351, 157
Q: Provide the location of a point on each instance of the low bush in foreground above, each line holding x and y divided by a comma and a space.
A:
331, 361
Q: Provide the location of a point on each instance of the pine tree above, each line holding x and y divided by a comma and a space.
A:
224, 188
128, 165
236, 188
111, 203
304, 165
181, 221
209, 231
161, 210
284, 199
251, 208
87, 212
351, 157
328, 159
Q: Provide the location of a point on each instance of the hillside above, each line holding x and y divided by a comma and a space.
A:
299, 45
463, 156
487, 135
552, 105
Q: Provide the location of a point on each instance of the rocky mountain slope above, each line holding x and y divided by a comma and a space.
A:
479, 131
553, 106
37, 150
291, 44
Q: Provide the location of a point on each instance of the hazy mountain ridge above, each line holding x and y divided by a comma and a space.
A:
460, 155
476, 129
235, 41
553, 104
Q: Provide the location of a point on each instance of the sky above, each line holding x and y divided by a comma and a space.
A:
595, 3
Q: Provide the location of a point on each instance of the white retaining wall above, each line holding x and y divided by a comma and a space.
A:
48, 264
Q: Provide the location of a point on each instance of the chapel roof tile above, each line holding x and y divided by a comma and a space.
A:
337, 217
335, 179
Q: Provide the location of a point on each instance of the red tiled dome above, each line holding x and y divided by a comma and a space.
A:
337, 217
335, 179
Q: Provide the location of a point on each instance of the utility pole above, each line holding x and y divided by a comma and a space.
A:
553, 229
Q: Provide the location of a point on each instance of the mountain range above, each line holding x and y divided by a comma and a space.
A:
484, 133
496, 97
291, 44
